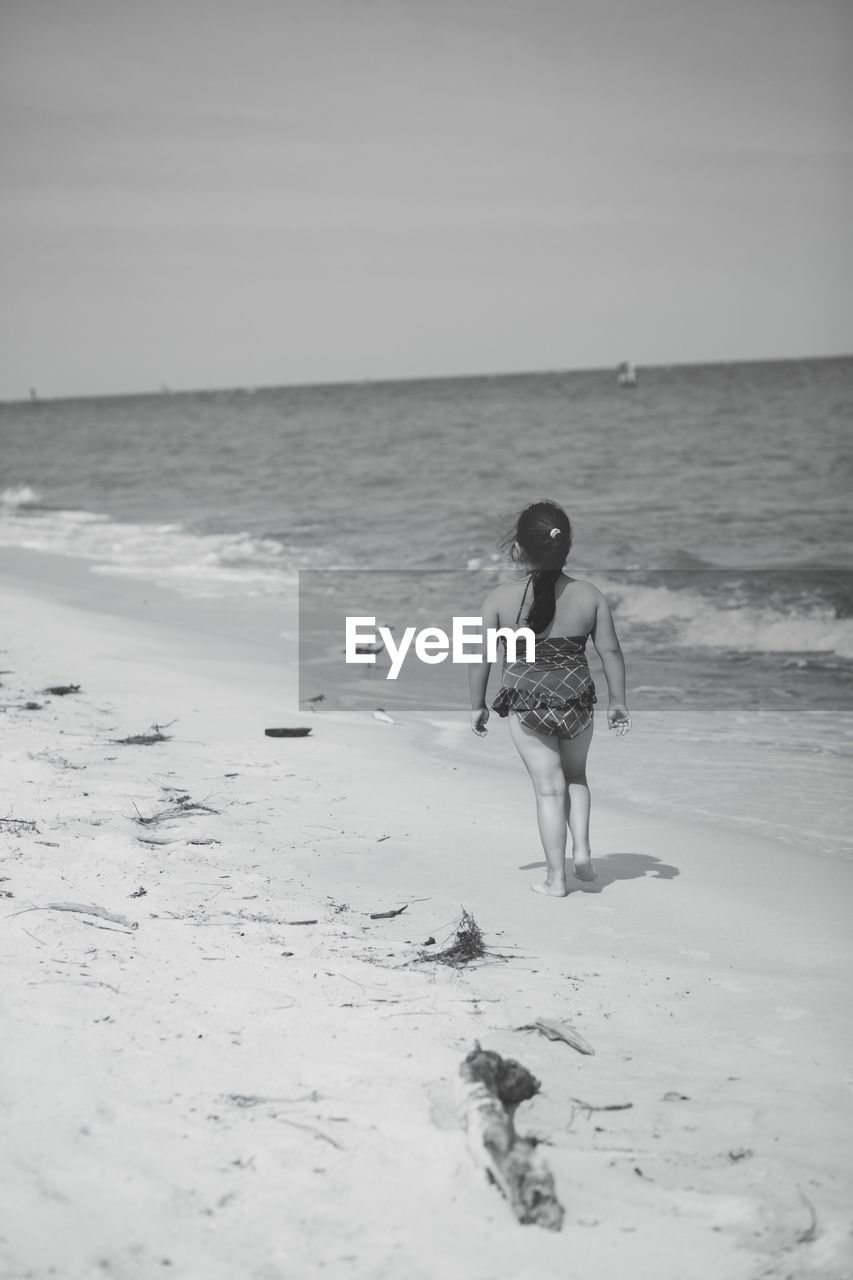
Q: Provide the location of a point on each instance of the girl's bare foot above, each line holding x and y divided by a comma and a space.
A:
582, 863
557, 889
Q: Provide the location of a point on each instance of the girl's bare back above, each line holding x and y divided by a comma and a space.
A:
576, 603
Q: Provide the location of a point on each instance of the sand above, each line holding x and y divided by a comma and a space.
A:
222, 1090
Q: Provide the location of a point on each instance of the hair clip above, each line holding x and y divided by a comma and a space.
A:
555, 533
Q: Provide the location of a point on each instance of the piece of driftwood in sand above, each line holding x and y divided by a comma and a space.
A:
387, 915
298, 732
490, 1089
89, 909
61, 690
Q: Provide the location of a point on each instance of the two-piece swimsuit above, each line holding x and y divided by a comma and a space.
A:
555, 694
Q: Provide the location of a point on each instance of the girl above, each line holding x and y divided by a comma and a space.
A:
549, 702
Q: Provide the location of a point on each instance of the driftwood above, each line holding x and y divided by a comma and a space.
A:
287, 733
490, 1089
89, 909
387, 915
61, 690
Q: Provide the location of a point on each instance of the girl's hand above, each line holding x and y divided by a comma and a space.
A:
618, 718
478, 721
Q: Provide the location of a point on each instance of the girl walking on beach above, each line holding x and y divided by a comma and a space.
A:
549, 702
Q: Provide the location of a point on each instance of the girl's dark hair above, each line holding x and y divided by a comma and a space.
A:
543, 532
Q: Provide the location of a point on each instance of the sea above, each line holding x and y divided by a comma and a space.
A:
711, 504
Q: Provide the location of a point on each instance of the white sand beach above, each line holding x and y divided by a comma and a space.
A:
255, 1079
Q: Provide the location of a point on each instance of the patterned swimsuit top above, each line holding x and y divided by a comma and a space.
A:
555, 694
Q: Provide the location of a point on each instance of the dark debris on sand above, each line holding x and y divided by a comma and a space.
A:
154, 734
179, 804
465, 945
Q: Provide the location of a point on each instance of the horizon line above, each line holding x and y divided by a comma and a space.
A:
254, 388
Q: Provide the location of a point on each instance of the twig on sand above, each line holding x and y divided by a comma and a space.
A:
579, 1107
180, 805
154, 734
310, 1128
387, 915
90, 909
806, 1237
490, 1089
255, 1099
555, 1030
298, 922
248, 1100
61, 690
17, 825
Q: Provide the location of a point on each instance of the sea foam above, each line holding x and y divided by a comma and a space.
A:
690, 620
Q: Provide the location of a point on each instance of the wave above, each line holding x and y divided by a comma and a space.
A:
20, 495
689, 620
169, 555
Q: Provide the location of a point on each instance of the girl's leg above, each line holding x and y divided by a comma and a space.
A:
541, 755
573, 753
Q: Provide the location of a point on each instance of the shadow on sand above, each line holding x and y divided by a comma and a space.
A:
615, 866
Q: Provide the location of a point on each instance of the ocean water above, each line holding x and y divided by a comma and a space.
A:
711, 504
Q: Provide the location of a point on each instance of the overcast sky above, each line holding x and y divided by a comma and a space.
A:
217, 193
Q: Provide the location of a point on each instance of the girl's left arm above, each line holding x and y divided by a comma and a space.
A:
478, 673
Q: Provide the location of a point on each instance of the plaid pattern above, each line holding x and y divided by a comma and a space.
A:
555, 694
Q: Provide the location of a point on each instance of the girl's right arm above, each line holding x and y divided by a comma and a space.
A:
478, 673
610, 651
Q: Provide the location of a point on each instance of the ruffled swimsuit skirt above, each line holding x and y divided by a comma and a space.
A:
555, 694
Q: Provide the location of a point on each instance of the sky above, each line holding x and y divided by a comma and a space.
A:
202, 193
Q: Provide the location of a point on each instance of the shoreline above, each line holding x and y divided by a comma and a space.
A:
707, 968
728, 769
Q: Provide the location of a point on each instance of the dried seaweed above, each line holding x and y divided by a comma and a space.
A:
154, 734
464, 946
179, 805
18, 825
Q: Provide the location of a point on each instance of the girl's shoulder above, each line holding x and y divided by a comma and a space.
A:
583, 590
503, 594
504, 599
